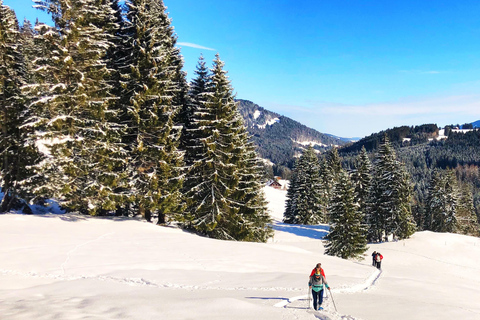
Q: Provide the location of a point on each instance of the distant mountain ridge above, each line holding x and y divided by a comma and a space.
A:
476, 124
280, 139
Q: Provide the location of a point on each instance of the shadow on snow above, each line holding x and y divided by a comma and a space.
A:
309, 231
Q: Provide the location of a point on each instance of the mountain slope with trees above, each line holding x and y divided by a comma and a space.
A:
457, 154
279, 138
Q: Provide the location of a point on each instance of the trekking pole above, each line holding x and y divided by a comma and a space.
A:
309, 296
333, 300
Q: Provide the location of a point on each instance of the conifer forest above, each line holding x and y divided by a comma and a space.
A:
96, 112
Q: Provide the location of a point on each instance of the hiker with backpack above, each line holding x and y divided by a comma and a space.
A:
378, 260
374, 260
316, 283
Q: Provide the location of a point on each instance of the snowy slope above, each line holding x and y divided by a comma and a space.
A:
77, 267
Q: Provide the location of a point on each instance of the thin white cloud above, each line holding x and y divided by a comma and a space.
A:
457, 104
421, 71
361, 120
193, 45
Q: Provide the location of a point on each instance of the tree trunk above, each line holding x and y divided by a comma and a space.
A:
161, 218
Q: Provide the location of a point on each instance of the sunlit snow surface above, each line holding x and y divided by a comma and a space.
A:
63, 266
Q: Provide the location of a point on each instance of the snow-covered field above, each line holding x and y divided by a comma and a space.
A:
76, 267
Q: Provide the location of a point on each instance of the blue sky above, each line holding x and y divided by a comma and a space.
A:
344, 67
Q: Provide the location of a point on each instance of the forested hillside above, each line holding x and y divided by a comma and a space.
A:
281, 139
425, 156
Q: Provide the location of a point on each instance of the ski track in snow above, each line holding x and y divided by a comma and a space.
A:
138, 282
328, 313
69, 253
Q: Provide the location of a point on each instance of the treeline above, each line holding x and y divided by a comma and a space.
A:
96, 112
398, 136
457, 156
368, 204
373, 200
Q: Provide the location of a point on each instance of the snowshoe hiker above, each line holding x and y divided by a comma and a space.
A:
316, 283
378, 260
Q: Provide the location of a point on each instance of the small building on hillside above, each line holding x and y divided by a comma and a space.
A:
274, 184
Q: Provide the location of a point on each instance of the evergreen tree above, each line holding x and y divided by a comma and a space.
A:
152, 84
405, 224
334, 162
223, 185
442, 202
249, 193
28, 49
27, 152
332, 170
69, 115
304, 198
389, 204
348, 234
192, 114
206, 183
434, 199
12, 77
362, 180
466, 218
451, 190
325, 186
291, 203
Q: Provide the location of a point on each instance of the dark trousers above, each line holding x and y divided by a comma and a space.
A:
379, 264
317, 296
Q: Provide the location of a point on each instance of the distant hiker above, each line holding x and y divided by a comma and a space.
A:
378, 260
318, 266
316, 282
374, 256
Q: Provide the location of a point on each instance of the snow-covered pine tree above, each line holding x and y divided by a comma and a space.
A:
466, 218
304, 197
29, 52
362, 179
289, 216
334, 162
325, 186
70, 118
223, 185
330, 167
152, 87
197, 118
255, 219
405, 224
12, 77
348, 234
442, 202
434, 199
451, 192
252, 220
389, 207
115, 55
190, 116
28, 154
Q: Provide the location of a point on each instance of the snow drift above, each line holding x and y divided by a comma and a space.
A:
56, 266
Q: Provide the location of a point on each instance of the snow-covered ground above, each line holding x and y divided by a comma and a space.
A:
76, 267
